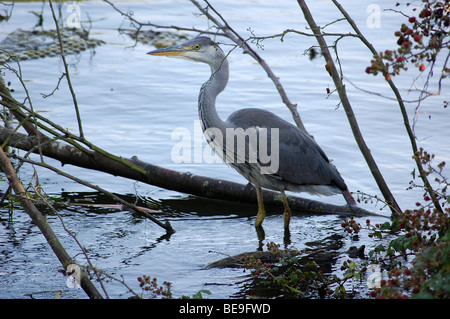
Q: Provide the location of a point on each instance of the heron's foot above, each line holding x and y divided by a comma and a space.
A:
260, 218
261, 236
287, 237
286, 218
287, 211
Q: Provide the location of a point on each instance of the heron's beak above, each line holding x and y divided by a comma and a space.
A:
173, 51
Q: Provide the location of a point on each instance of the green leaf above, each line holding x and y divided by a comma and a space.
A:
199, 295
394, 226
398, 244
293, 276
379, 248
385, 226
422, 295
446, 237
378, 234
295, 290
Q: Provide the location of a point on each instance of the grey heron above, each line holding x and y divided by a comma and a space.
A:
302, 166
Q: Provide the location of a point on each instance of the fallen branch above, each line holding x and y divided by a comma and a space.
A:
168, 179
40, 221
140, 210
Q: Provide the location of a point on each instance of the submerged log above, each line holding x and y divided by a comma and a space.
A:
165, 178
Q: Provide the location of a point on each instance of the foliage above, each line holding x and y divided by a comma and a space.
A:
417, 262
292, 277
414, 264
419, 40
435, 171
150, 285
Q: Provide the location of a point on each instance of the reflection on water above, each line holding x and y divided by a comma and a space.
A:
130, 104
124, 244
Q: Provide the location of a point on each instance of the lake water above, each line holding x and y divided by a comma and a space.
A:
131, 103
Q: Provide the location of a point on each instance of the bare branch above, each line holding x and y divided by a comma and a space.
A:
236, 38
69, 82
161, 177
44, 227
332, 70
141, 24
403, 111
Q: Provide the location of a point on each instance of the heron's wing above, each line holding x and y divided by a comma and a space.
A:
301, 160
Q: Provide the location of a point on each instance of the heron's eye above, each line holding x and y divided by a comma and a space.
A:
196, 46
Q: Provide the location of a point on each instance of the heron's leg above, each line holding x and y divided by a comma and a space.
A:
287, 210
261, 212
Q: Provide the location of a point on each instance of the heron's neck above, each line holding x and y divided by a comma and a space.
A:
208, 93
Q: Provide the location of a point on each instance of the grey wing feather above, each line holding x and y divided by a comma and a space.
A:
301, 160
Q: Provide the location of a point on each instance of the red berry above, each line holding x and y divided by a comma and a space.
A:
409, 31
400, 59
405, 44
412, 19
422, 67
417, 38
407, 272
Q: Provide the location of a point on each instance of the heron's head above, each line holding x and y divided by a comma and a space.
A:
199, 49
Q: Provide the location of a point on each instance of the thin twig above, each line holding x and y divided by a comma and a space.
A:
65, 135
135, 208
334, 73
67, 73
140, 24
74, 237
236, 38
228, 32
402, 107
40, 221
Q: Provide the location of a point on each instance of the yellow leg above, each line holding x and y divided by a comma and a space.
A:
287, 211
261, 212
